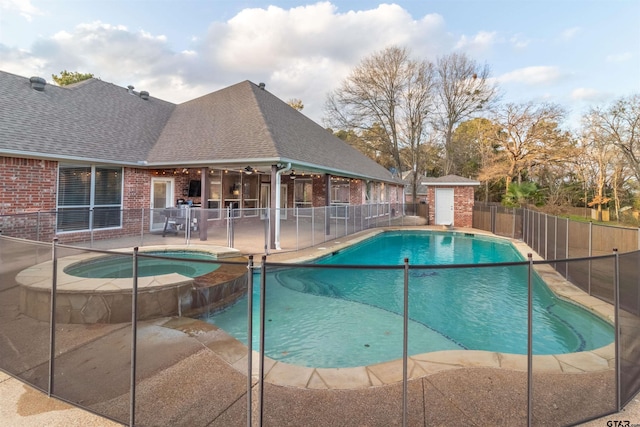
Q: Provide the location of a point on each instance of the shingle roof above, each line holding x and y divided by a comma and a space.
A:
91, 120
448, 180
102, 122
244, 121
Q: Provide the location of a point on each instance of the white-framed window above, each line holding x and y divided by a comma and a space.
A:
89, 197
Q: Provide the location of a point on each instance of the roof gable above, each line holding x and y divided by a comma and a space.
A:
244, 121
225, 125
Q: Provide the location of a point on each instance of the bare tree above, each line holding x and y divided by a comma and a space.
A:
529, 139
610, 164
620, 124
599, 155
388, 96
464, 88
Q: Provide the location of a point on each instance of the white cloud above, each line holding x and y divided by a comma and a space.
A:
538, 75
302, 52
519, 42
272, 37
482, 41
570, 33
23, 7
620, 57
588, 94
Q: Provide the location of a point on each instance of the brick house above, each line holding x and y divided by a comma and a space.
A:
93, 150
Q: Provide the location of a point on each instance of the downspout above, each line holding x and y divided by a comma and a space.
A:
277, 207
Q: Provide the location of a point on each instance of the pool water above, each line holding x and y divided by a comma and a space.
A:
336, 317
121, 266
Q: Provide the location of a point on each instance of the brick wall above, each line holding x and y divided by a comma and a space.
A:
27, 185
356, 193
318, 191
463, 200
137, 188
395, 194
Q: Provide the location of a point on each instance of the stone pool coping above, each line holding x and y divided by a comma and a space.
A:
108, 300
280, 373
39, 275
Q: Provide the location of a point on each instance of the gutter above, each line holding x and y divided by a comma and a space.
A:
277, 207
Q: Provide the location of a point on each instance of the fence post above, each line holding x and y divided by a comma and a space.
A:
513, 226
267, 230
590, 255
355, 226
297, 214
530, 342
405, 342
141, 226
492, 217
566, 271
616, 305
539, 227
533, 231
52, 314
263, 290
230, 214
187, 226
555, 239
91, 226
313, 226
134, 333
249, 338
546, 236
346, 220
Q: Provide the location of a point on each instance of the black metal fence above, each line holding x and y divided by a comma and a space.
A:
177, 370
575, 250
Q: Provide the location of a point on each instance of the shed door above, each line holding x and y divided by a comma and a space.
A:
444, 206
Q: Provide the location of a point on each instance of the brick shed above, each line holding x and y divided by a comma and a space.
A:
450, 200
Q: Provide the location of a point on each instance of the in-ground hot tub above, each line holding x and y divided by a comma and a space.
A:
108, 299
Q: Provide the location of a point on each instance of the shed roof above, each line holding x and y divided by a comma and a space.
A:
449, 180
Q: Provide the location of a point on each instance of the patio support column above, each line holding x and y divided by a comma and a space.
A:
273, 204
204, 202
327, 204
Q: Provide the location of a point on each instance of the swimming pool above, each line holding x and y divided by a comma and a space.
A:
337, 317
121, 266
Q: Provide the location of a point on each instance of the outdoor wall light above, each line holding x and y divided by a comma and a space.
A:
248, 170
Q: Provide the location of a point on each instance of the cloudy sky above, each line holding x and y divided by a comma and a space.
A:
577, 53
